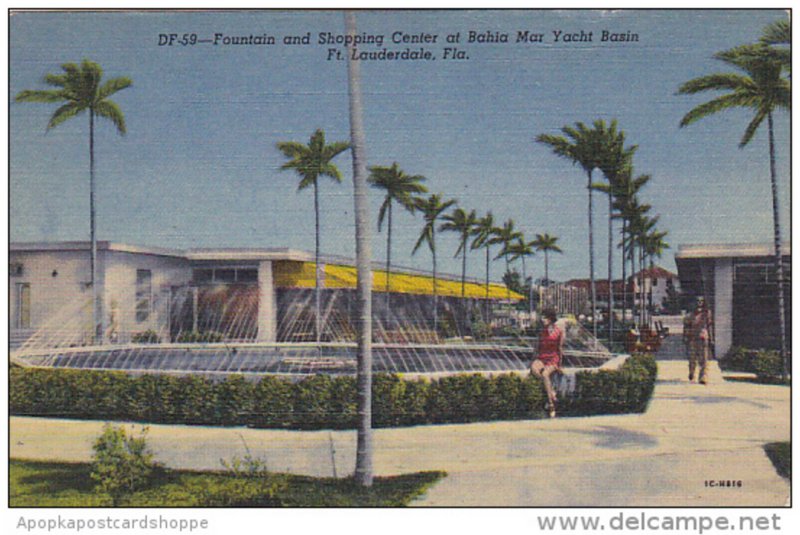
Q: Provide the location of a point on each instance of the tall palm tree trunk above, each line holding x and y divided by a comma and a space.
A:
624, 281
464, 304
591, 258
778, 252
364, 446
546, 271
508, 284
634, 279
435, 296
97, 318
487, 306
651, 260
643, 278
610, 271
388, 259
317, 273
464, 271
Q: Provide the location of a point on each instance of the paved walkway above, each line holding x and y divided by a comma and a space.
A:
690, 434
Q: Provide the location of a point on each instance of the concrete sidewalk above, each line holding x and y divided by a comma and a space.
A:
690, 435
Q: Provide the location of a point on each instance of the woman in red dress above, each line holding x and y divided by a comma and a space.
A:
548, 360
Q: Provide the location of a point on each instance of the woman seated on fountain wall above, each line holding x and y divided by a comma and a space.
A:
549, 354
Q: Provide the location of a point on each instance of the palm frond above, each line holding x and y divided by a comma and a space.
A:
424, 237
717, 82
291, 149
111, 111
330, 170
43, 95
382, 211
67, 111
777, 33
732, 100
750, 131
112, 86
58, 80
559, 145
334, 149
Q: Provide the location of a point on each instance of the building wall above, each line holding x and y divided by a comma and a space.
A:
267, 304
658, 287
723, 305
60, 294
119, 296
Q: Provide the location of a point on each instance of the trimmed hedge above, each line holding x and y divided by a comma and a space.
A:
765, 363
319, 401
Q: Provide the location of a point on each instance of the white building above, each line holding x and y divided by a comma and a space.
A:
657, 284
239, 294
738, 283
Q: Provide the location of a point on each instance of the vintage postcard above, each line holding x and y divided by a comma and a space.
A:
388, 258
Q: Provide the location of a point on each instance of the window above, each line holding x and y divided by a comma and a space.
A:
246, 275
751, 273
203, 276
23, 319
224, 275
144, 292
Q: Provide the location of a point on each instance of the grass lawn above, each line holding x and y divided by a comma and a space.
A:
780, 453
56, 484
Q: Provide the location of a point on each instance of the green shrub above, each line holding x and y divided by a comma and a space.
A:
121, 464
510, 330
205, 337
767, 365
311, 403
628, 389
738, 359
272, 403
239, 492
234, 398
319, 401
481, 330
146, 337
388, 400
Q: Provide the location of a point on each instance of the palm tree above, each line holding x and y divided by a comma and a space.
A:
79, 89
364, 449
641, 227
484, 231
779, 33
616, 159
519, 250
546, 243
462, 223
654, 247
431, 208
311, 162
626, 205
400, 188
505, 236
584, 147
758, 86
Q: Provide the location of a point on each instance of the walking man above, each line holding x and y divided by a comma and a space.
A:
699, 341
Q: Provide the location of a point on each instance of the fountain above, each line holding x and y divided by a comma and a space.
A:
213, 331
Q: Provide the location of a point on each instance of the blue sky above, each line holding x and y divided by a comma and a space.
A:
199, 166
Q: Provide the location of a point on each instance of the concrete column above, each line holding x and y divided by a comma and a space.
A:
267, 304
723, 305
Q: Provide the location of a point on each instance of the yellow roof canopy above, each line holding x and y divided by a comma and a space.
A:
291, 274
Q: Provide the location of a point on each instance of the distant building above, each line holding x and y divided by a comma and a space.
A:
240, 294
738, 283
657, 284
